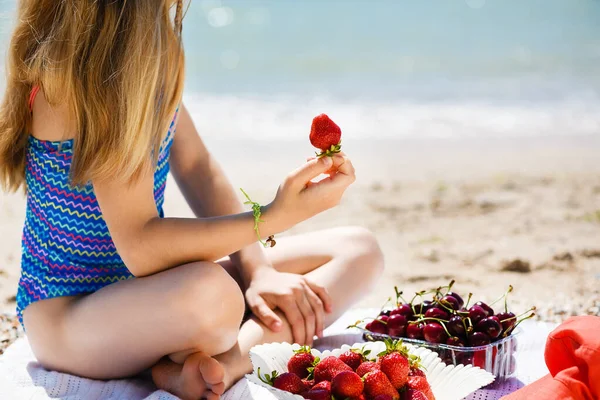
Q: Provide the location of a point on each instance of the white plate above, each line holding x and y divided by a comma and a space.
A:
448, 382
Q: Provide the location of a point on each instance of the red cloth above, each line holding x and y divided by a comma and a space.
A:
573, 359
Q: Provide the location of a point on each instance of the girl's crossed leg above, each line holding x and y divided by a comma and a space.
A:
192, 313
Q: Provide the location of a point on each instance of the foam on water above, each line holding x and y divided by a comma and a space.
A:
289, 118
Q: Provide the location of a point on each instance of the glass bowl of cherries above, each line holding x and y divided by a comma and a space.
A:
460, 332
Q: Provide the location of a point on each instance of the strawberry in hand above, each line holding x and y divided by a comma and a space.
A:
325, 135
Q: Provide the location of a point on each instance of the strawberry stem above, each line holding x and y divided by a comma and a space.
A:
334, 149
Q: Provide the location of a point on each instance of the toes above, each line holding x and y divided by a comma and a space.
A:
219, 388
211, 396
212, 371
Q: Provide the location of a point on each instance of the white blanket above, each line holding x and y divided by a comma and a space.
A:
22, 378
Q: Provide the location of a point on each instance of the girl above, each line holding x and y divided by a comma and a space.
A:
90, 125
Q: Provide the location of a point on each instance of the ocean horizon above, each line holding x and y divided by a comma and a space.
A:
389, 68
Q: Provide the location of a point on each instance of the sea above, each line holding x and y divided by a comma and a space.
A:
261, 69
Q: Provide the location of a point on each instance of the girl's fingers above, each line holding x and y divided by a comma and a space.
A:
309, 171
309, 318
266, 315
317, 306
323, 294
295, 319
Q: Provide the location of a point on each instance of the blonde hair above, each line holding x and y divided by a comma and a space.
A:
117, 65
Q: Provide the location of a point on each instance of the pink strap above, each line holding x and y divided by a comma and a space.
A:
34, 92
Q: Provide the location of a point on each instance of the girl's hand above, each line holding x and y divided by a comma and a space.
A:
299, 199
303, 302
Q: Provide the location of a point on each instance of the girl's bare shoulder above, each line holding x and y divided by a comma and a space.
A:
51, 122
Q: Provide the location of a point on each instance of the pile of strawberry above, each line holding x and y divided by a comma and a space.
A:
446, 319
394, 375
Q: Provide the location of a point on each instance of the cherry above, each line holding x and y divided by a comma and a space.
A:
383, 318
403, 309
507, 319
490, 326
464, 358
461, 302
377, 326
397, 321
450, 302
456, 341
396, 325
397, 333
385, 313
433, 332
477, 313
479, 339
489, 310
421, 308
414, 330
436, 312
479, 359
455, 326
369, 326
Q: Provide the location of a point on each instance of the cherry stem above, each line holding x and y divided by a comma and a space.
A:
450, 309
510, 288
441, 321
399, 296
464, 324
520, 315
468, 300
519, 321
385, 304
452, 282
470, 322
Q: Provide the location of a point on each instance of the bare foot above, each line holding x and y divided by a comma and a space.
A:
200, 376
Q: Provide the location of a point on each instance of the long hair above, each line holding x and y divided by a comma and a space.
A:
117, 65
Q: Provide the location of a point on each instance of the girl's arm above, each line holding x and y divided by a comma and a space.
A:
208, 191
149, 244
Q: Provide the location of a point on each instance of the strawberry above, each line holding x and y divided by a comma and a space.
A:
415, 371
412, 394
383, 397
361, 397
346, 384
394, 362
308, 383
419, 383
367, 366
325, 135
317, 394
354, 357
329, 367
286, 381
377, 383
301, 361
323, 385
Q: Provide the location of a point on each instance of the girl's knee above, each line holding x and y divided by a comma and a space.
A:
361, 244
212, 306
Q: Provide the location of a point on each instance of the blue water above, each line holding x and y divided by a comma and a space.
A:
437, 68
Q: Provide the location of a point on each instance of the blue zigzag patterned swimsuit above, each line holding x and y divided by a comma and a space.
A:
67, 249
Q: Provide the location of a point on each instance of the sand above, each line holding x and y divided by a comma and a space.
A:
487, 213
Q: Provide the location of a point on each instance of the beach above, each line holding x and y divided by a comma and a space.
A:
474, 127
487, 213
